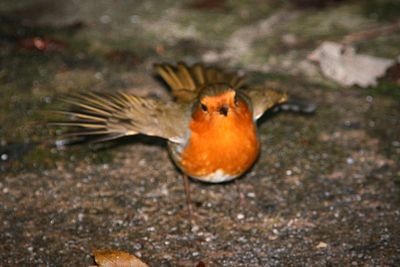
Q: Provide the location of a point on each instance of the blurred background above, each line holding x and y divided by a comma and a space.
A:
325, 190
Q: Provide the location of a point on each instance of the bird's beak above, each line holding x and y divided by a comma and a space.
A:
223, 110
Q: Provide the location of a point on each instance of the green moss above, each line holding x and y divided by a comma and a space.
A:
216, 27
384, 88
313, 26
385, 46
384, 10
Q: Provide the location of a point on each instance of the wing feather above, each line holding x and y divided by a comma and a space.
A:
264, 99
121, 114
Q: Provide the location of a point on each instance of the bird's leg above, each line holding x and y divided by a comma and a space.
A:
188, 198
242, 198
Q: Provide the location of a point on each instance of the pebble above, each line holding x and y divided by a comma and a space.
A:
322, 245
195, 228
105, 19
240, 216
349, 161
251, 194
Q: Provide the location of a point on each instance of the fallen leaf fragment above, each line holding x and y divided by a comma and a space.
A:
201, 264
322, 245
42, 44
114, 258
342, 64
393, 74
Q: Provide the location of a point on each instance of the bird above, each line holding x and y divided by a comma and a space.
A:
210, 124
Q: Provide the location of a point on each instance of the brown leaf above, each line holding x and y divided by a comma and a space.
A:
393, 74
42, 44
342, 64
114, 258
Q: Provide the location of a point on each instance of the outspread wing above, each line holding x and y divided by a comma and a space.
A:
187, 81
114, 115
264, 99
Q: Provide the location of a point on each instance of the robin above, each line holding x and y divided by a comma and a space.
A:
210, 126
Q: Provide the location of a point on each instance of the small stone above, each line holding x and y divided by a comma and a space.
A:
105, 19
289, 39
195, 228
272, 237
98, 75
167, 257
371, 124
135, 19
240, 216
322, 245
349, 161
251, 194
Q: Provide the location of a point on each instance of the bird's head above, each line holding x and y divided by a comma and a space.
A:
219, 102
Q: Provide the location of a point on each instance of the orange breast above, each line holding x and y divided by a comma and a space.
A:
221, 148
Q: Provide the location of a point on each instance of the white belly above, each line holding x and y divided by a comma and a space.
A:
217, 177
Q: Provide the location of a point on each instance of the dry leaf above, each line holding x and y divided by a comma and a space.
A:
113, 258
42, 44
393, 74
201, 264
343, 65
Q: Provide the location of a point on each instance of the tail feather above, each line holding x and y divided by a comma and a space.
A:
186, 77
187, 81
197, 71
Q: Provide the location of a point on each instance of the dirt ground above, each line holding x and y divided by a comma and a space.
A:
324, 192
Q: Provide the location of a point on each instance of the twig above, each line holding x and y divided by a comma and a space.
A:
370, 34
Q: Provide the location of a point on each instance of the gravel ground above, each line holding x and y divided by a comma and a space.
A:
324, 192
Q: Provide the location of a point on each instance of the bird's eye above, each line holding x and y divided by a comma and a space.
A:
203, 107
236, 100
